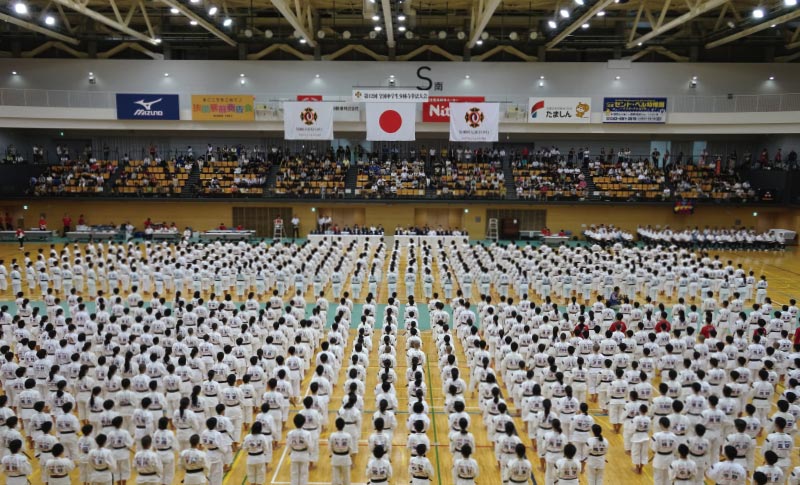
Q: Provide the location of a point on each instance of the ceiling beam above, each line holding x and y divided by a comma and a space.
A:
755, 28
587, 16
697, 10
387, 22
190, 14
290, 17
484, 15
38, 29
81, 8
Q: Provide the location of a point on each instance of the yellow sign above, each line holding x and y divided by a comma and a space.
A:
223, 107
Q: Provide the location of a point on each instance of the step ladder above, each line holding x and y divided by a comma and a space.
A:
277, 233
493, 232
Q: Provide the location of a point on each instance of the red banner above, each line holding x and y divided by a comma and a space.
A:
309, 97
437, 109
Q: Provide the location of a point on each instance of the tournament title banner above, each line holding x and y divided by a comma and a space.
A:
380, 95
223, 107
634, 110
148, 107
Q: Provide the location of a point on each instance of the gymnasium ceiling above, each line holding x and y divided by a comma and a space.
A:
420, 30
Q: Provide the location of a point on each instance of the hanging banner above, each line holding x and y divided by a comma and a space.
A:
307, 121
344, 111
437, 108
478, 122
309, 97
634, 110
388, 95
391, 121
148, 107
559, 110
223, 107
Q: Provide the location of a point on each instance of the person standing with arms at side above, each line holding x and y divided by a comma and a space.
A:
16, 466
67, 224
299, 441
295, 227
58, 468
21, 238
597, 448
341, 445
194, 462
147, 464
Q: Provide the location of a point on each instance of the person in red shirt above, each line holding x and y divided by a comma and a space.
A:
81, 220
42, 223
663, 324
546, 232
796, 340
707, 328
67, 222
222, 226
619, 325
148, 223
21, 238
562, 233
240, 227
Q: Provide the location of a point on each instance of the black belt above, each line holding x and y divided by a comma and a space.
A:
518, 481
665, 453
101, 469
256, 454
147, 474
341, 453
59, 476
198, 470
420, 478
304, 449
380, 480
465, 478
163, 449
350, 422
119, 447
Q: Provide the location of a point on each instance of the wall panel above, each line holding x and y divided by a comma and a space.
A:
205, 215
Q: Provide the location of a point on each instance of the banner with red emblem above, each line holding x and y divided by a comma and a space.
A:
478, 122
307, 120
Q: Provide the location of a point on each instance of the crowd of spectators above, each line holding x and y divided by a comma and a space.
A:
151, 177
548, 175
244, 177
311, 176
73, 177
389, 179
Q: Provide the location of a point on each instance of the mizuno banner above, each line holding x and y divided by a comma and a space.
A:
307, 120
148, 107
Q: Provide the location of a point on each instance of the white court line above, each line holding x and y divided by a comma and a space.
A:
316, 483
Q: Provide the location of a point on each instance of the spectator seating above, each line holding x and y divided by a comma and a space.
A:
391, 179
548, 180
472, 179
628, 180
310, 177
143, 177
231, 178
74, 178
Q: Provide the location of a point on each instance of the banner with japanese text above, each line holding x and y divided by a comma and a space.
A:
634, 110
477, 122
559, 110
223, 107
307, 120
389, 95
437, 108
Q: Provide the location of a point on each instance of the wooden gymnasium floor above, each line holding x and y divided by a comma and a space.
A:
781, 269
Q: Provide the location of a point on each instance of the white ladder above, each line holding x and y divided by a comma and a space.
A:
492, 233
278, 232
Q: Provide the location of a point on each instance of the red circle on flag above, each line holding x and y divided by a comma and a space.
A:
390, 121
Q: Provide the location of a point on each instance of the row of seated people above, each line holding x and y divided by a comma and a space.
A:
73, 177
310, 176
479, 178
709, 181
151, 177
548, 178
627, 179
391, 179
234, 178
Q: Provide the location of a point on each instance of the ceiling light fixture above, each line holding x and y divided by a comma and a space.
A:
564, 13
157, 40
378, 28
375, 18
585, 26
212, 11
618, 78
174, 11
166, 74
790, 3
552, 24
401, 28
227, 22
303, 40
758, 13
193, 22
772, 78
601, 13
316, 76
401, 18
442, 34
466, 76
541, 84
479, 42
50, 20
20, 8
13, 73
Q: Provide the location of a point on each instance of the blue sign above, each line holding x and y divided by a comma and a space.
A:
148, 107
634, 110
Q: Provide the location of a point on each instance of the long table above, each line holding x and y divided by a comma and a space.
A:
555, 240
30, 235
167, 236
344, 238
431, 240
228, 235
96, 235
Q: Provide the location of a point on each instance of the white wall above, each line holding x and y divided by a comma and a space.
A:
497, 81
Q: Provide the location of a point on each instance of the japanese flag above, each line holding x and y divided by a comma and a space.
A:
391, 121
